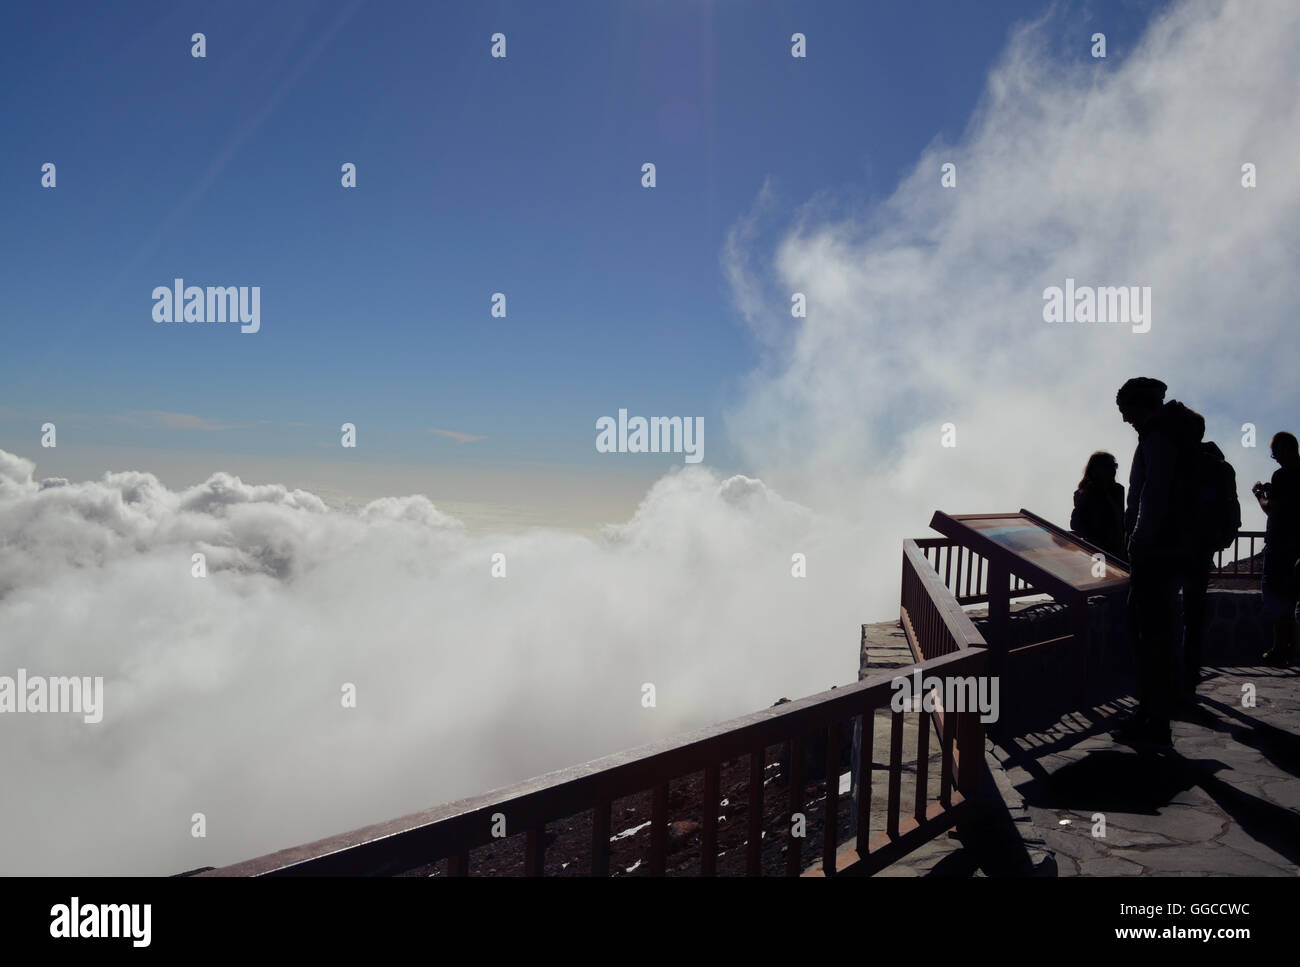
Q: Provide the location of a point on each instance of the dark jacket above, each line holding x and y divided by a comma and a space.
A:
1162, 486
1098, 516
1282, 533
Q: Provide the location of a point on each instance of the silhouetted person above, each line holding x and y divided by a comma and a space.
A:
1161, 542
1296, 578
1215, 519
1280, 501
1098, 515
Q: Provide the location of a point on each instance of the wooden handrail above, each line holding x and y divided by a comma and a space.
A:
942, 638
946, 557
1252, 565
956, 564
451, 830
935, 621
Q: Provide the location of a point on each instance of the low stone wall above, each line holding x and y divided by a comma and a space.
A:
1037, 681
1236, 635
1236, 631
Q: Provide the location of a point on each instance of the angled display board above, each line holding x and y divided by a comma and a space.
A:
1072, 668
1053, 560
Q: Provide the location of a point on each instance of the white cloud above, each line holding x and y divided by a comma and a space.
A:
222, 694
929, 309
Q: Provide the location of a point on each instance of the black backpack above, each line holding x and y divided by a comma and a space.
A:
1217, 510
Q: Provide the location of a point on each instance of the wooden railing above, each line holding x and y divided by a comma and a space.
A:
452, 830
937, 627
1232, 562
964, 572
930, 614
941, 637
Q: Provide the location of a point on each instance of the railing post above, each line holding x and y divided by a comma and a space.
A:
970, 748
831, 813
895, 773
946, 745
865, 729
1079, 626
922, 764
600, 819
535, 851
999, 616
902, 591
658, 829
709, 835
754, 821
970, 737
794, 849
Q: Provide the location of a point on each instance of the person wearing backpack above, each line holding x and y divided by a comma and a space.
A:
1216, 514
1161, 541
1280, 501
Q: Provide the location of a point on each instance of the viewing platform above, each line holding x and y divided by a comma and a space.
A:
1225, 802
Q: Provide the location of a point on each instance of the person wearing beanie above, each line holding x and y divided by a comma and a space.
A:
1160, 542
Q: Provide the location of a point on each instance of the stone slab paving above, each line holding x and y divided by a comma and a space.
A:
1225, 801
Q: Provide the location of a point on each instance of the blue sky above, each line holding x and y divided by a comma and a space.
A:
475, 175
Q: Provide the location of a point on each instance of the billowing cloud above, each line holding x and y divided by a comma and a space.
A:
929, 309
223, 692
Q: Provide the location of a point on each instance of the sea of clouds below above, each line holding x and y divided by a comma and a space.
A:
222, 693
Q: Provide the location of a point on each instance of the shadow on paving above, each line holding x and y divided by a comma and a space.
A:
1210, 793
1112, 781
1224, 801
1279, 746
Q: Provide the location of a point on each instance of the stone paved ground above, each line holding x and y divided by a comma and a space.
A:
1224, 802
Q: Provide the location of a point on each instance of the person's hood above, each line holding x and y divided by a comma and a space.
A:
1182, 422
